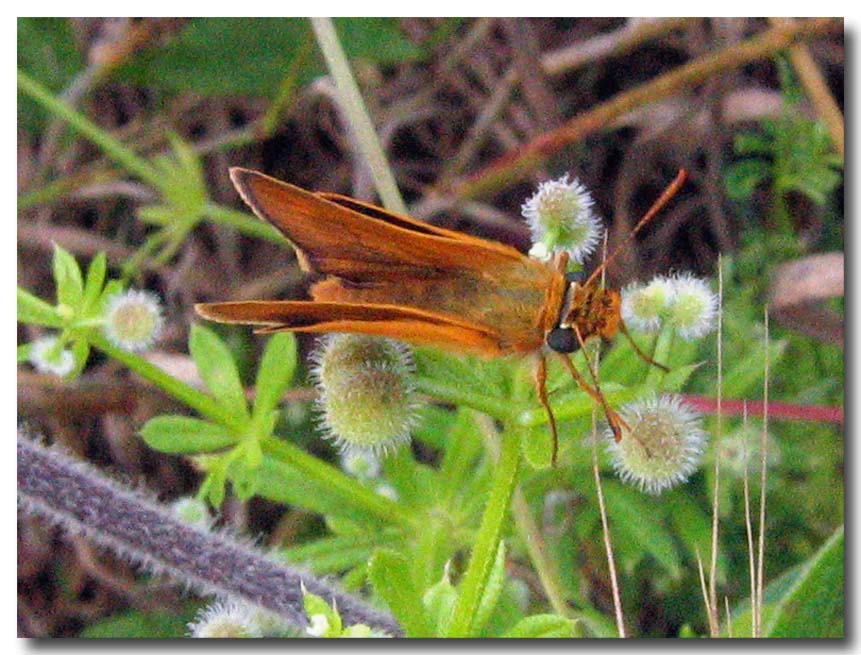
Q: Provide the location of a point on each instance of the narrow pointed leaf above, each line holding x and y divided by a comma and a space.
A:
218, 369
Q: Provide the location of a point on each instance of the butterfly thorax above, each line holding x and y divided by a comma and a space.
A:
592, 311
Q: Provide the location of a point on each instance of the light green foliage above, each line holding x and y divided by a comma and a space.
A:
80, 303
325, 621
792, 153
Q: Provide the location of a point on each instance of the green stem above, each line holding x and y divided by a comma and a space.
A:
339, 483
57, 189
360, 121
387, 510
660, 353
244, 223
497, 408
487, 541
289, 84
189, 396
546, 568
131, 266
577, 407
113, 148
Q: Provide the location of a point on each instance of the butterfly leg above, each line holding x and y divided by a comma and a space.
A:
540, 373
616, 422
624, 330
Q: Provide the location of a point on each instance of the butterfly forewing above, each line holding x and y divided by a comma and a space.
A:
338, 239
375, 257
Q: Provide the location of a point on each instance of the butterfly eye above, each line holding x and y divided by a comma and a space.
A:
562, 340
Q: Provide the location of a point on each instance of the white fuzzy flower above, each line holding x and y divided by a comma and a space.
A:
560, 216
367, 400
663, 446
226, 619
694, 307
133, 320
644, 306
362, 464
48, 358
318, 625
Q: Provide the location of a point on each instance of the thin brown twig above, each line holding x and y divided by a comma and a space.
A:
605, 528
534, 86
728, 617
748, 524
820, 95
516, 164
625, 39
705, 592
763, 454
545, 566
714, 624
478, 131
76, 240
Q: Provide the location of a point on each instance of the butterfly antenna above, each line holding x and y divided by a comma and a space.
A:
657, 206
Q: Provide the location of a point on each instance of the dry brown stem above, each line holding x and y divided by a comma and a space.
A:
525, 159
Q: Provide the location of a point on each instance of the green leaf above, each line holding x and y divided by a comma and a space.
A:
255, 54
633, 517
391, 575
243, 471
183, 186
136, 624
284, 484
694, 528
112, 288
752, 143
275, 372
23, 352
35, 311
316, 605
174, 433
492, 588
462, 448
95, 281
48, 52
338, 554
67, 277
218, 369
222, 56
814, 606
542, 626
439, 600
378, 40
416, 484
748, 373
677, 377
434, 426
536, 443
81, 353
